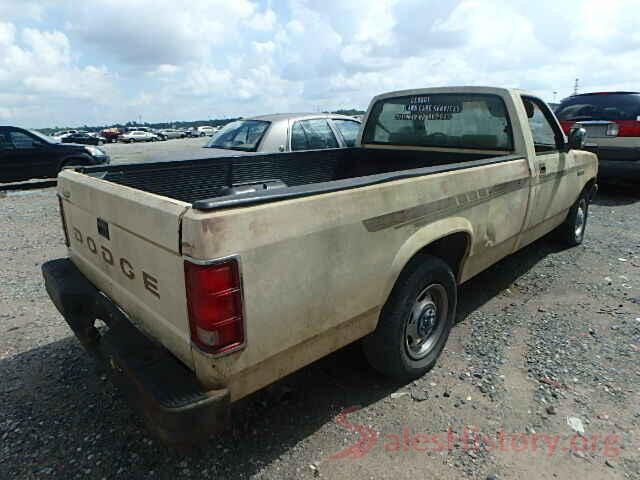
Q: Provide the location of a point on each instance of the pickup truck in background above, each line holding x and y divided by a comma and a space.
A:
111, 134
214, 278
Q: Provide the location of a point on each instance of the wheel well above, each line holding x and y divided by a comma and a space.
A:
452, 249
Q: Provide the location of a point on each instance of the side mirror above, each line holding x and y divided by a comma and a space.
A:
576, 139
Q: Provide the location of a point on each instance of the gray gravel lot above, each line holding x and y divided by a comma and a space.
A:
544, 335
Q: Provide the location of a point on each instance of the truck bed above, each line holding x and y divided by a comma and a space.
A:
210, 184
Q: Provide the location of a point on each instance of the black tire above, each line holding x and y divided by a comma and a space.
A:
100, 142
390, 348
571, 231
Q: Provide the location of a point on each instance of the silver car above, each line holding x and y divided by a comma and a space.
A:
287, 133
170, 133
284, 132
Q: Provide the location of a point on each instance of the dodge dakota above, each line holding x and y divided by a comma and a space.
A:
195, 283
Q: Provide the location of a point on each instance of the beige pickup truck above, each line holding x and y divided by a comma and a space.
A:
199, 282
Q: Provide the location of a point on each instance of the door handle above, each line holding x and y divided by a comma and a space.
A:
543, 169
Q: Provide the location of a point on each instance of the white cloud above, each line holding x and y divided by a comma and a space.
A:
203, 80
264, 48
50, 47
264, 21
164, 70
148, 32
37, 72
144, 98
23, 9
217, 57
7, 34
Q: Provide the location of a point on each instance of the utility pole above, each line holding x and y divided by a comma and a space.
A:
575, 86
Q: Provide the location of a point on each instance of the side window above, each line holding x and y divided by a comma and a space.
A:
298, 137
254, 132
22, 140
349, 131
544, 135
5, 144
319, 134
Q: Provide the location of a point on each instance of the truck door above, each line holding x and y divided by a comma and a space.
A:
551, 179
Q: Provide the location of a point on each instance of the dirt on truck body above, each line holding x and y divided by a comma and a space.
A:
233, 272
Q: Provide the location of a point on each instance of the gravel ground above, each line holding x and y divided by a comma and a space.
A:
547, 344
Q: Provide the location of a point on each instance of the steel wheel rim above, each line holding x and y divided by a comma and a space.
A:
426, 321
580, 219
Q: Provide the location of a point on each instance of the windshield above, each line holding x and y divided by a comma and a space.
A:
242, 135
44, 137
472, 121
609, 106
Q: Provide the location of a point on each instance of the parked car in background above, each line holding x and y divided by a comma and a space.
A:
83, 138
287, 133
111, 134
205, 131
192, 133
282, 132
26, 154
65, 133
138, 128
612, 122
170, 133
138, 136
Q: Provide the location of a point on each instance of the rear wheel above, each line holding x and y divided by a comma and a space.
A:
571, 231
416, 320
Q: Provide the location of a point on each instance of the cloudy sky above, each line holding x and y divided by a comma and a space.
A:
75, 62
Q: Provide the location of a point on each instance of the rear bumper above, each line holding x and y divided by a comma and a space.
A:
174, 405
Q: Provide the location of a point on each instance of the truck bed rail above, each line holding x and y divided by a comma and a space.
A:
206, 183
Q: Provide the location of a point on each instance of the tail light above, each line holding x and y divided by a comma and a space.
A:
629, 128
64, 221
566, 126
214, 298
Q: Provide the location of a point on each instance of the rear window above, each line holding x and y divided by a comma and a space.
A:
610, 106
242, 135
473, 121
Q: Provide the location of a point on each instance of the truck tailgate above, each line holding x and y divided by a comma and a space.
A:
127, 243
